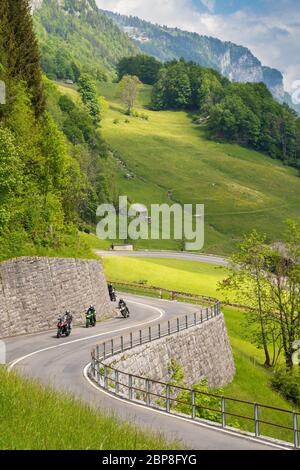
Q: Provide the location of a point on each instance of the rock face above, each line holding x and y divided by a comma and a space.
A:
235, 62
34, 291
203, 351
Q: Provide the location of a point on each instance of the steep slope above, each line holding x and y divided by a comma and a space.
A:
170, 159
233, 61
75, 34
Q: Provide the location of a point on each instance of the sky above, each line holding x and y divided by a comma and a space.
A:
270, 28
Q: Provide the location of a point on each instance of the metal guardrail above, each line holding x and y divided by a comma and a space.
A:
168, 397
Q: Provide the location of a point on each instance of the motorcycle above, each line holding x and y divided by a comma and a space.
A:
63, 327
112, 293
124, 309
90, 319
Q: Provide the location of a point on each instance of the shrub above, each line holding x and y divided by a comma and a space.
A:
288, 384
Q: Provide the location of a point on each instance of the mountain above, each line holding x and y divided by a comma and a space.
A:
75, 34
233, 61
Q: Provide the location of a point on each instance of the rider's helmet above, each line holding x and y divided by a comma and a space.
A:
92, 307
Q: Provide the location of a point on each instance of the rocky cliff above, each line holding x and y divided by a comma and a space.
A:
233, 61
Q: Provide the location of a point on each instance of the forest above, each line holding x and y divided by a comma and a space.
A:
53, 169
246, 114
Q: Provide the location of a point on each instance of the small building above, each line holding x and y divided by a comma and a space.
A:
121, 247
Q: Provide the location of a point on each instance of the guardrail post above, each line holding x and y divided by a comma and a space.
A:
201, 316
160, 294
178, 325
122, 344
117, 381
112, 347
223, 405
141, 337
186, 322
169, 327
168, 401
296, 430
150, 334
104, 350
131, 340
207, 313
97, 352
256, 419
195, 318
105, 377
159, 331
197, 299
130, 387
193, 404
148, 391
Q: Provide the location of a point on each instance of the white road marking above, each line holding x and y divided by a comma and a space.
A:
197, 423
61, 345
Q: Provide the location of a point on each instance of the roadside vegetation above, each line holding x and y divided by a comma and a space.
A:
36, 418
253, 382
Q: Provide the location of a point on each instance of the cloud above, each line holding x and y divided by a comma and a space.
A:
273, 36
210, 4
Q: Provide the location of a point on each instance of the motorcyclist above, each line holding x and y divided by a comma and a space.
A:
69, 317
112, 292
91, 312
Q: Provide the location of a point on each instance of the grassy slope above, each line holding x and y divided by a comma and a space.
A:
241, 188
36, 418
251, 382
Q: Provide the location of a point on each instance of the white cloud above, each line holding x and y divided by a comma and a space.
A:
210, 4
274, 39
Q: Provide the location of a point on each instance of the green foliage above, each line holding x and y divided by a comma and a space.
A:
146, 68
87, 89
76, 37
288, 384
246, 114
128, 91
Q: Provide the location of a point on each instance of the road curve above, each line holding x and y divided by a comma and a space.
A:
61, 364
201, 258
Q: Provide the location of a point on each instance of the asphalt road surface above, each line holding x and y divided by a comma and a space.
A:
210, 259
61, 364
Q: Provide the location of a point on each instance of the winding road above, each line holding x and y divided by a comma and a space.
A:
61, 364
184, 255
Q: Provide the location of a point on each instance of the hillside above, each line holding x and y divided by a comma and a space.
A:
74, 35
231, 60
170, 159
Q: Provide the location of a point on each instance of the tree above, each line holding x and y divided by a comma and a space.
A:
87, 89
267, 280
284, 282
23, 52
128, 91
144, 67
248, 284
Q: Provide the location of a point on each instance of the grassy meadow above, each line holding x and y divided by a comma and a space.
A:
172, 161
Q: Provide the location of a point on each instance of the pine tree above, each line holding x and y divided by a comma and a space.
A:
23, 51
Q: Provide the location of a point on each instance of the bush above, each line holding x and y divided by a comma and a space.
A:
288, 384
116, 121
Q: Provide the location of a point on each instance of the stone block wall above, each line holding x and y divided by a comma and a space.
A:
34, 291
203, 351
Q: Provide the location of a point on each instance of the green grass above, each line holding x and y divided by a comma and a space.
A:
241, 189
252, 380
185, 276
36, 418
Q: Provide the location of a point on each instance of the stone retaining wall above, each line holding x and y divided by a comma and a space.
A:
203, 351
34, 291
